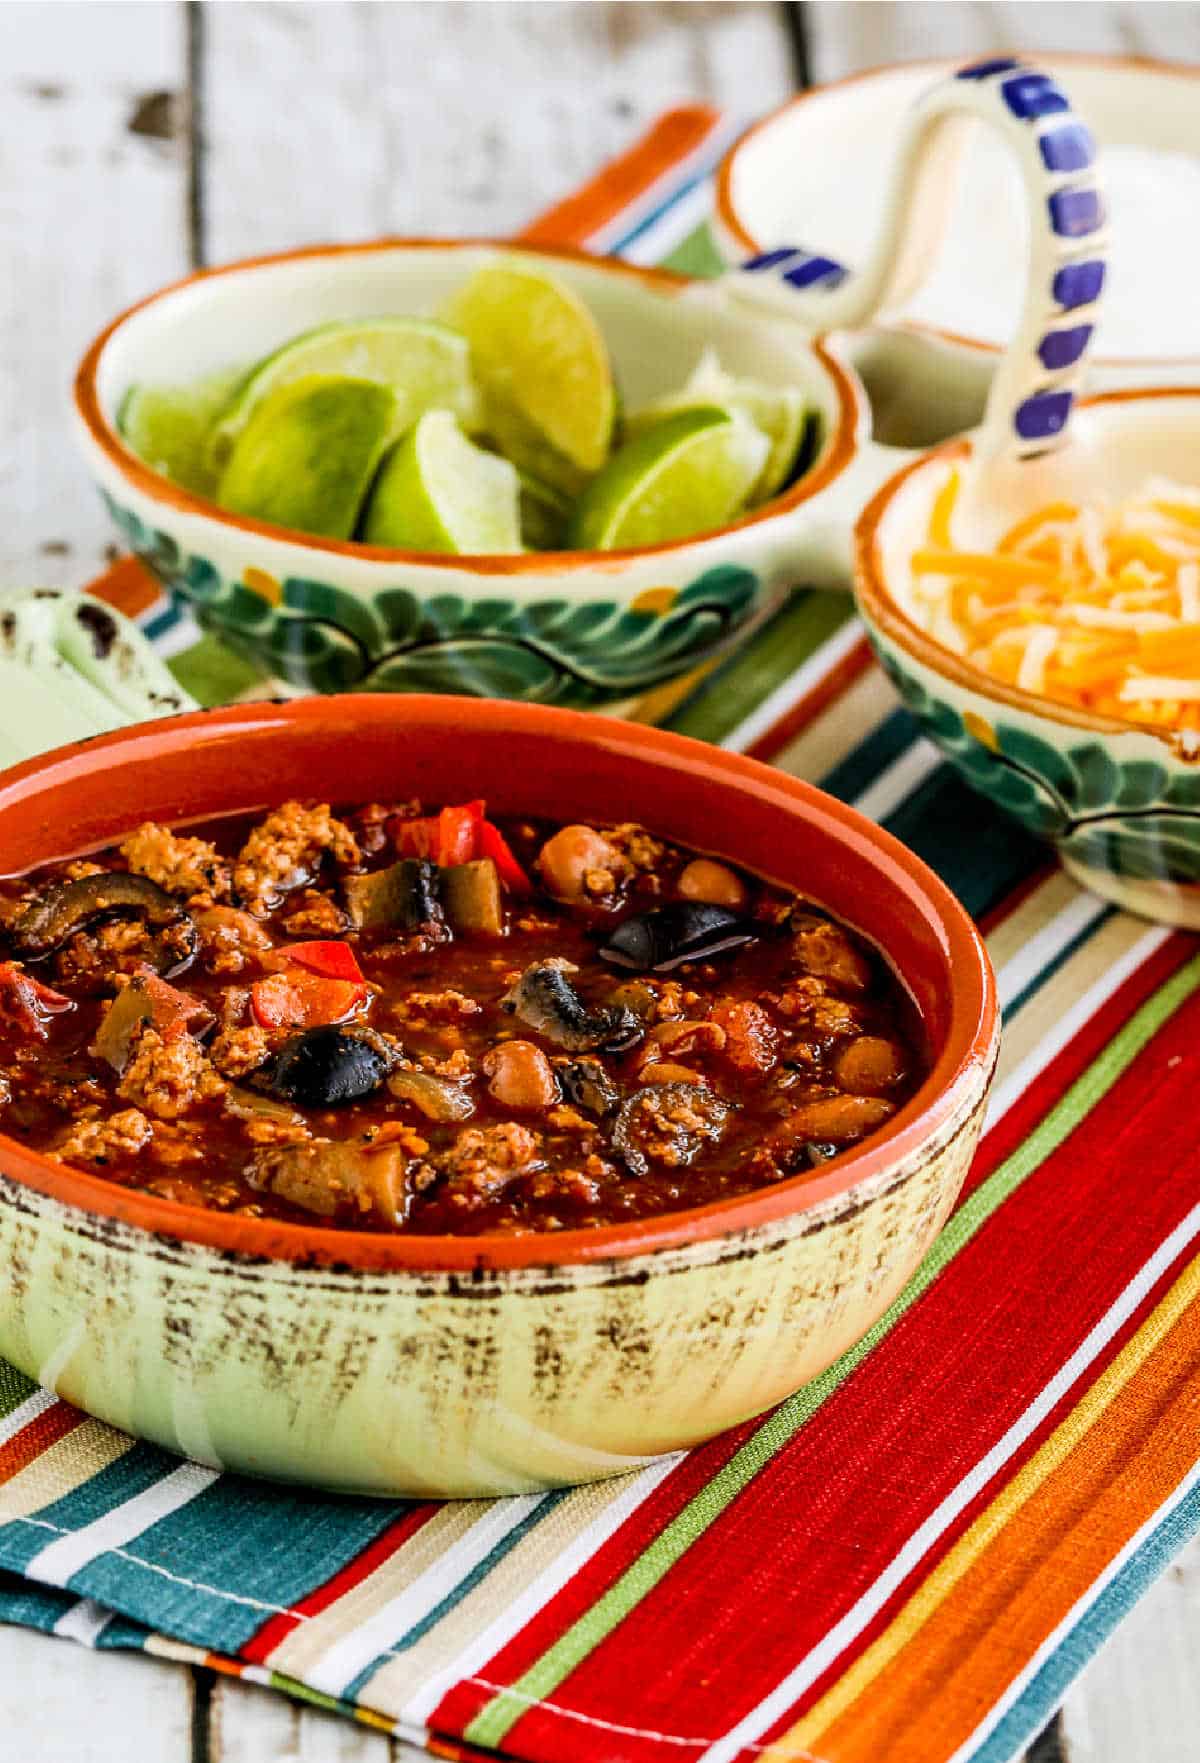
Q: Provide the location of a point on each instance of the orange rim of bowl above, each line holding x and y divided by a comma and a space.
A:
958, 1075
727, 214
881, 607
843, 443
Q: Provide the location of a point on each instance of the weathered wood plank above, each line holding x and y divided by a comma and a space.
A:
844, 39
452, 117
92, 191
1139, 1700
249, 1724
59, 1700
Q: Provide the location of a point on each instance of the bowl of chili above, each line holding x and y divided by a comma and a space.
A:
465, 1342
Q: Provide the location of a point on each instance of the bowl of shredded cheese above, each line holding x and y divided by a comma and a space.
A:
1044, 627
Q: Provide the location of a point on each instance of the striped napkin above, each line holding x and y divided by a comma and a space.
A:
912, 1557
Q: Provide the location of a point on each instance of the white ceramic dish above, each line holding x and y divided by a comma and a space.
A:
775, 187
553, 627
1120, 803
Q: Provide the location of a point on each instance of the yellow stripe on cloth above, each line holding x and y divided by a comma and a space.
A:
64, 1466
839, 727
1040, 1015
397, 1680
1074, 1504
298, 1651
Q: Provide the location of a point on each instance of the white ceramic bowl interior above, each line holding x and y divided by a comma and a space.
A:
1146, 117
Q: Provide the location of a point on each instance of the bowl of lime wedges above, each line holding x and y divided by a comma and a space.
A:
465, 467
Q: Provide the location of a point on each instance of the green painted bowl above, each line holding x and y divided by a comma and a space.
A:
576, 628
1119, 802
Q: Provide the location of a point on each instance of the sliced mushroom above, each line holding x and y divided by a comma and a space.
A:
328, 1067
668, 1124
47, 923
686, 930
247, 1105
586, 1084
545, 1000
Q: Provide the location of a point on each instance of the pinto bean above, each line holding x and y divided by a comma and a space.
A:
520, 1075
576, 859
869, 1066
713, 883
838, 1118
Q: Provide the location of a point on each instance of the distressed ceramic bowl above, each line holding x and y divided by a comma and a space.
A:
774, 188
568, 627
1119, 802
455, 1366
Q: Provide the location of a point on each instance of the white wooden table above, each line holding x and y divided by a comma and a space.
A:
138, 140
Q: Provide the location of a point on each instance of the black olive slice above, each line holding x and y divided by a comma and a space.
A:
327, 1068
686, 930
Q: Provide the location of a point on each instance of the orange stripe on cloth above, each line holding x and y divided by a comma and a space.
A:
44, 1430
923, 1686
574, 220
128, 586
60, 1467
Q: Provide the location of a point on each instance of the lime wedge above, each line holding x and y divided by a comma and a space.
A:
689, 473
168, 427
426, 366
543, 367
307, 455
544, 512
437, 492
779, 411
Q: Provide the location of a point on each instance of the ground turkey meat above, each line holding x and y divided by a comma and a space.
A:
169, 1077
484, 1159
95, 1141
285, 850
231, 940
423, 1009
237, 1051
181, 865
825, 1014
315, 915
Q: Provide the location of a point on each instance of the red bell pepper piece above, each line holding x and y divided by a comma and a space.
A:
446, 839
332, 960
458, 833
27, 1002
492, 843
299, 999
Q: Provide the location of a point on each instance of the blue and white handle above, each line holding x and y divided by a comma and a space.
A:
1037, 382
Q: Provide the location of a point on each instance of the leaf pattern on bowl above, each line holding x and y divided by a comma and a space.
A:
1136, 817
554, 651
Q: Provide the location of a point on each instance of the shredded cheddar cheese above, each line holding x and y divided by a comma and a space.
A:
1096, 606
